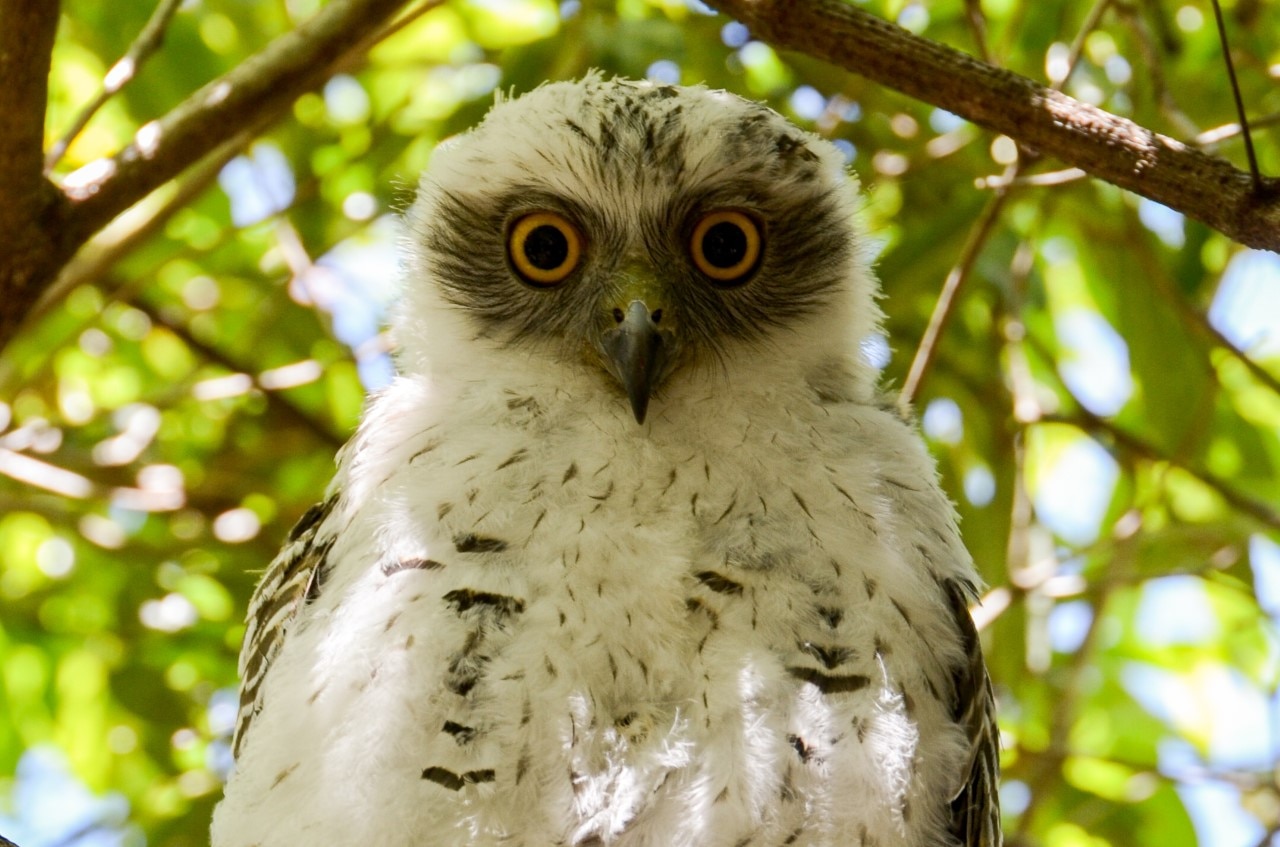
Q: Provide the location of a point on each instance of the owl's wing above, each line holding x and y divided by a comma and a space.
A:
975, 810
291, 580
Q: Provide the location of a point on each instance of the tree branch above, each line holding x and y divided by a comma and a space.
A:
27, 28
259, 88
30, 206
120, 75
41, 226
1107, 146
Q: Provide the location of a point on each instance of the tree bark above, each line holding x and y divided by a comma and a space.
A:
32, 210
1104, 145
42, 225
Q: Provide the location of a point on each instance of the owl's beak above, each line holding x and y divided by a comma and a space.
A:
636, 352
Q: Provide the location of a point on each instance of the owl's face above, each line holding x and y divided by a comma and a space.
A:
641, 229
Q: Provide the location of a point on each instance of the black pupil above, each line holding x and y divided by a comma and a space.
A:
546, 248
724, 244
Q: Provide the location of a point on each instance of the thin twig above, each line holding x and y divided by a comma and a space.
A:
977, 21
1235, 91
120, 75
1090, 23
89, 264
288, 409
942, 310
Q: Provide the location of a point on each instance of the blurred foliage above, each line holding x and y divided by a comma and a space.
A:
1113, 455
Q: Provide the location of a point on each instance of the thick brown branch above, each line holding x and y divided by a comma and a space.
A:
1107, 146
30, 207
37, 238
27, 28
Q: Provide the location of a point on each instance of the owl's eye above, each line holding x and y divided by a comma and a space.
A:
544, 248
726, 246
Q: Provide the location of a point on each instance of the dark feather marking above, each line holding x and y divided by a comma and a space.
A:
831, 615
719, 582
899, 484
608, 492
802, 749
828, 684
321, 571
831, 656
431, 445
902, 611
671, 480
518, 456
727, 510
975, 810
454, 782
443, 510
570, 472
466, 459
803, 507
461, 734
469, 542
284, 774
311, 517
414, 564
870, 585
464, 599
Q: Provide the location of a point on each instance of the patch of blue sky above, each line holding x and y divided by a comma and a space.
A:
664, 71
979, 485
1215, 807
1071, 496
1246, 307
355, 283
1215, 702
807, 103
734, 34
1176, 610
259, 184
941, 121
1069, 624
1264, 558
1097, 367
345, 100
942, 421
51, 808
1169, 226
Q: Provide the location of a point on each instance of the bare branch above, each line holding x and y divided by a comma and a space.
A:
1107, 146
259, 88
120, 74
42, 227
942, 310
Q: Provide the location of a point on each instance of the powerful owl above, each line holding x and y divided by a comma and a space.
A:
633, 551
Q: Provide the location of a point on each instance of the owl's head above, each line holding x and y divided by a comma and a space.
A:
645, 233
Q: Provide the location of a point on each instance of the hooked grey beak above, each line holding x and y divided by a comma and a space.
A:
637, 352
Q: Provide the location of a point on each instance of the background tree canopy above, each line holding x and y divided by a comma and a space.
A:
1099, 376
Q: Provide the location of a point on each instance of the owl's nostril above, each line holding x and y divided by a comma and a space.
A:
618, 315
657, 316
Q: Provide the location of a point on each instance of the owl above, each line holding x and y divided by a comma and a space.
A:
633, 551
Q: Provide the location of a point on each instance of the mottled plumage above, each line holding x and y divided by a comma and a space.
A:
632, 552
